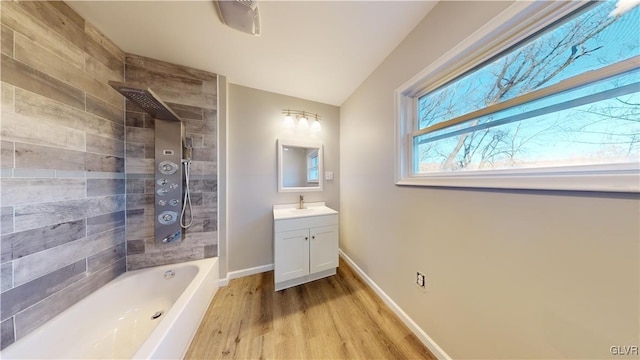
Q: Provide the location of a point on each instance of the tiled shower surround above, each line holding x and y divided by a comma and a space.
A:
192, 95
76, 192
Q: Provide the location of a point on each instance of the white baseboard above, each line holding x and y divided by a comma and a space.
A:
426, 340
244, 272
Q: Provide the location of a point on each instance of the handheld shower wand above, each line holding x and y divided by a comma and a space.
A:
188, 148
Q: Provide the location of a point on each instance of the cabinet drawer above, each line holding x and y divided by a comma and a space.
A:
305, 223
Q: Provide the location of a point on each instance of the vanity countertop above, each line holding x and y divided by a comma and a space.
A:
291, 211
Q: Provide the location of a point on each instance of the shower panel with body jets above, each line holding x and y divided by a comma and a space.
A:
172, 164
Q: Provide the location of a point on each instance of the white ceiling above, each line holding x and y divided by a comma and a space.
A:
315, 50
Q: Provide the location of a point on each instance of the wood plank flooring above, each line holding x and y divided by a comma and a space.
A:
338, 317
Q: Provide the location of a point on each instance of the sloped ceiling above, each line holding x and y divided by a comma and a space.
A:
315, 50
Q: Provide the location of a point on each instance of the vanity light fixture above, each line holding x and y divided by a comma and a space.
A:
303, 123
315, 125
303, 119
288, 120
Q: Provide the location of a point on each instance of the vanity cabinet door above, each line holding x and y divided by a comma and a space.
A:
323, 252
291, 254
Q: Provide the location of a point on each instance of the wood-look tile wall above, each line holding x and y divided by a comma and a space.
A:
62, 159
192, 94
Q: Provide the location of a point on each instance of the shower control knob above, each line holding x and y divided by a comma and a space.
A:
162, 182
169, 239
167, 217
167, 167
162, 192
162, 202
173, 186
174, 202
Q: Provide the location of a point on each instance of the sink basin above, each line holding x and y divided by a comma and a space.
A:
291, 211
304, 211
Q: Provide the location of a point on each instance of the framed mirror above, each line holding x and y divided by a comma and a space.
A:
300, 166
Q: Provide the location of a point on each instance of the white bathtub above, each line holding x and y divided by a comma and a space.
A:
115, 322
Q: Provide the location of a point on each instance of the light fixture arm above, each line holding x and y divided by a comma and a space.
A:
303, 113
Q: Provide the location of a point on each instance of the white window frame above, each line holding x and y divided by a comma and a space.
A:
310, 157
509, 27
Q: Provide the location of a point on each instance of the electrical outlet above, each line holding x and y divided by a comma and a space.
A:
420, 281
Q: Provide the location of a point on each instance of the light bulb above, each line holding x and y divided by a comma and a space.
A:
315, 125
303, 123
288, 121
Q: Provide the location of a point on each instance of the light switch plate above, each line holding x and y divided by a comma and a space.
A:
328, 175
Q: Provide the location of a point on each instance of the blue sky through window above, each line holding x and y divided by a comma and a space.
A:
606, 129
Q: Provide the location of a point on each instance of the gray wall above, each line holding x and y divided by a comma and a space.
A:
192, 94
255, 123
63, 202
510, 274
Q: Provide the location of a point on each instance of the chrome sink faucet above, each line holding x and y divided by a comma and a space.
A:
301, 202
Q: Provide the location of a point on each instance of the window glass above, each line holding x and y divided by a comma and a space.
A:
598, 123
312, 167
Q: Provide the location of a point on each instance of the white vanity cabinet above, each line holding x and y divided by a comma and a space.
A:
305, 245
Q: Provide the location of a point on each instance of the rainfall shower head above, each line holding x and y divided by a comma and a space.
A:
146, 99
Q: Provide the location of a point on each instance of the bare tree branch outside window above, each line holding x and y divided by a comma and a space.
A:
605, 131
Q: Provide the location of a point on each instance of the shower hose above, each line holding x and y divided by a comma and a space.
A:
187, 197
